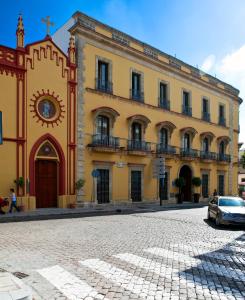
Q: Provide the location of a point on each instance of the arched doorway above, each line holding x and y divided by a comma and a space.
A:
186, 173
47, 172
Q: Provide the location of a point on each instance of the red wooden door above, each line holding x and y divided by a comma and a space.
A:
46, 183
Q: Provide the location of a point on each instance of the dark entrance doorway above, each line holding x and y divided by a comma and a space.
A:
136, 186
103, 188
46, 183
163, 187
186, 173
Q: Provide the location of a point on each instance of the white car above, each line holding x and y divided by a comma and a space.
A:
227, 210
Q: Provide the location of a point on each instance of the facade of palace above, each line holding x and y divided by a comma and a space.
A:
38, 106
136, 104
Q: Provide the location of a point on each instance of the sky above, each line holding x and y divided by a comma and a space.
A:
209, 34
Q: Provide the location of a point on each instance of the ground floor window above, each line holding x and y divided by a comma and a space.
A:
136, 186
221, 185
103, 186
205, 185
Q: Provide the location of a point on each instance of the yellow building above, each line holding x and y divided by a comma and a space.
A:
136, 104
38, 105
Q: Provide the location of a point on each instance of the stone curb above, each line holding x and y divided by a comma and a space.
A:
140, 208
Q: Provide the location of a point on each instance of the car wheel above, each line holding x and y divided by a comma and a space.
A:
217, 220
208, 215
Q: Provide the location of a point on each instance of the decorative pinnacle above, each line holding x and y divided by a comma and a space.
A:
20, 32
72, 50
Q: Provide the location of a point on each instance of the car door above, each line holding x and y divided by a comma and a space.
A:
213, 207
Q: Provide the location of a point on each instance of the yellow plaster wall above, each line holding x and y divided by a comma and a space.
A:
121, 67
7, 167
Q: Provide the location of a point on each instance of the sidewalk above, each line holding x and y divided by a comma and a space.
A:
99, 210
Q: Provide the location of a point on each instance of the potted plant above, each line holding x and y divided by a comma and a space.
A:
20, 182
78, 186
180, 183
196, 181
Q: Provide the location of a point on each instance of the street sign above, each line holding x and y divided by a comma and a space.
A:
158, 167
95, 173
1, 128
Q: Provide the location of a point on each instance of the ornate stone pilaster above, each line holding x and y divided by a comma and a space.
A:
80, 43
231, 146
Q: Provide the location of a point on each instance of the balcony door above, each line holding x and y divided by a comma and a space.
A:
205, 145
187, 141
103, 74
103, 129
164, 138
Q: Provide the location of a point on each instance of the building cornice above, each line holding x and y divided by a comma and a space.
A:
88, 26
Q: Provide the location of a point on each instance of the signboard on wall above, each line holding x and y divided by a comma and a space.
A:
158, 168
1, 128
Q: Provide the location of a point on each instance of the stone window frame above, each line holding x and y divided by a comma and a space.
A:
136, 167
210, 137
207, 98
168, 90
191, 131
104, 166
226, 143
133, 70
106, 60
224, 105
105, 111
182, 96
170, 130
143, 124
221, 172
206, 172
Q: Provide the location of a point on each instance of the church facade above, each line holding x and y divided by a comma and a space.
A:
38, 106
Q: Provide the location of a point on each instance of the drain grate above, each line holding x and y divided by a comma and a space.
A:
20, 275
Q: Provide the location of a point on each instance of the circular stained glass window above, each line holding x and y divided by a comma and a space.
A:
46, 109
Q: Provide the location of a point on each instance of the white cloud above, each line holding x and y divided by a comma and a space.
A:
231, 69
208, 63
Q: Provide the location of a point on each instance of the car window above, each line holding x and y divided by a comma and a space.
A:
231, 202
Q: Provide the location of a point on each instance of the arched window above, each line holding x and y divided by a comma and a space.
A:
103, 126
222, 148
205, 144
164, 137
187, 141
136, 131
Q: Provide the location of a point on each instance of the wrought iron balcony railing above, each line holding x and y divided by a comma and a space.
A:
188, 152
222, 121
208, 155
224, 157
165, 149
206, 116
134, 145
187, 110
164, 103
137, 95
103, 85
101, 140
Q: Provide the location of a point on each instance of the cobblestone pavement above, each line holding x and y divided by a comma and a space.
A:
171, 254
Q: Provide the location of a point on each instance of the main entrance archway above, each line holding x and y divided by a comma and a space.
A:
186, 173
47, 172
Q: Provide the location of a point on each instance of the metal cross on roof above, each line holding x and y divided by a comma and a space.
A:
48, 24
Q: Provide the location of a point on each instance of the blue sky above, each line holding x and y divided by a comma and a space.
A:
209, 34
